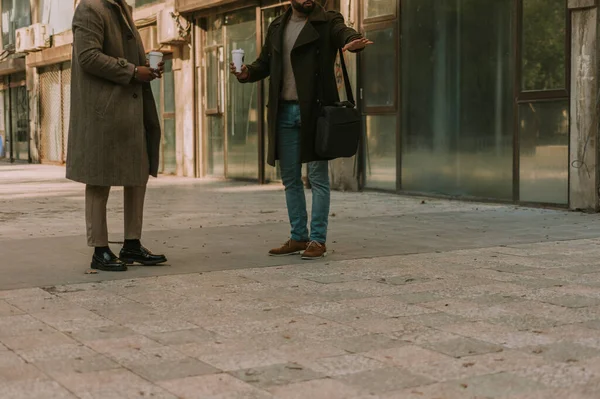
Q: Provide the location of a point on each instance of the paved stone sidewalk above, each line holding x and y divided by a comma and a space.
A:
514, 322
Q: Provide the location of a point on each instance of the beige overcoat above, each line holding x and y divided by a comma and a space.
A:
114, 129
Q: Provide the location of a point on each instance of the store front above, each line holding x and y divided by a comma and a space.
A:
461, 98
14, 121
441, 116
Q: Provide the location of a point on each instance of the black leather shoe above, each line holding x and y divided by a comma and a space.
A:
108, 262
142, 256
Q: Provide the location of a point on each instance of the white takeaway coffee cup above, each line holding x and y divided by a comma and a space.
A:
238, 59
154, 57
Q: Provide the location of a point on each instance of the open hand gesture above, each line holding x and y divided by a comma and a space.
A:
357, 45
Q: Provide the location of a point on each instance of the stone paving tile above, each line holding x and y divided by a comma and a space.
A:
308, 350
384, 380
433, 391
20, 325
277, 374
505, 383
46, 353
462, 347
20, 372
209, 386
436, 319
333, 278
170, 370
80, 364
567, 352
10, 359
366, 343
418, 297
34, 389
421, 335
558, 375
147, 392
499, 335
427, 363
113, 379
182, 337
525, 322
33, 341
7, 309
387, 306
244, 360
573, 301
592, 324
25, 293
467, 309
341, 365
102, 333
319, 389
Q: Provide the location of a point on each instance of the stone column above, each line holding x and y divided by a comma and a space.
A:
184, 110
583, 168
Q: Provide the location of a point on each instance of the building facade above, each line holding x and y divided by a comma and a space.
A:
482, 99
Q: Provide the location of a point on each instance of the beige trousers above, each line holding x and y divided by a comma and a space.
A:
96, 198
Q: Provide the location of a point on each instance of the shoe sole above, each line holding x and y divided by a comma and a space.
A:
290, 254
132, 262
315, 258
109, 269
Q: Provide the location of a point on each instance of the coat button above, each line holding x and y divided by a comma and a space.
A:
129, 36
135, 95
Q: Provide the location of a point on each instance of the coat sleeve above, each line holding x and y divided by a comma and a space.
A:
88, 40
341, 34
261, 68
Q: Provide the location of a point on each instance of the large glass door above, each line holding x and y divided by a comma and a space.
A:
379, 94
14, 121
231, 109
241, 103
164, 96
214, 139
542, 161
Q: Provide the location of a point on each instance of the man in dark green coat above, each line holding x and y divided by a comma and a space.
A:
299, 55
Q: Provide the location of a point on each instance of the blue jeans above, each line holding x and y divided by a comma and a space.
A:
288, 145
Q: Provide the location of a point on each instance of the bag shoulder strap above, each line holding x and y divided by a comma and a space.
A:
349, 92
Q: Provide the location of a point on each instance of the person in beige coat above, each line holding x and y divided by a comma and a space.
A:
114, 130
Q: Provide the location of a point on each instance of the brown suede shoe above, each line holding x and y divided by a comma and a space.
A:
290, 247
315, 250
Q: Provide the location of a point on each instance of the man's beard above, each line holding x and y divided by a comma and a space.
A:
305, 8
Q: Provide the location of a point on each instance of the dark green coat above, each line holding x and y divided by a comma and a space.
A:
313, 60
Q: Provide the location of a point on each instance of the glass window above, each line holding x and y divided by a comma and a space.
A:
139, 3
212, 80
381, 151
169, 87
242, 107
15, 15
544, 37
544, 151
56, 13
380, 68
379, 8
4, 150
457, 97
169, 150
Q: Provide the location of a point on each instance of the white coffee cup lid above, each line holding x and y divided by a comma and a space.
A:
155, 53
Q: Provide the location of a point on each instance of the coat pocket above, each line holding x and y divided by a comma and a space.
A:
105, 98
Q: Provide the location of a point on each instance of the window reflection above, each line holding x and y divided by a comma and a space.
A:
457, 97
544, 56
544, 151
